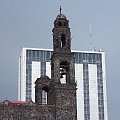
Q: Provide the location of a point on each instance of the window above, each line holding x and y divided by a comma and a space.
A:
60, 23
64, 72
65, 24
45, 95
63, 42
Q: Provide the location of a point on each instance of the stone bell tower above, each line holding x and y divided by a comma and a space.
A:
63, 71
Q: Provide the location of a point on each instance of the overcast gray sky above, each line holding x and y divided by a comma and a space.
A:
29, 23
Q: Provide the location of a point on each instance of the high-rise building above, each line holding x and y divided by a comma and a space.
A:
90, 77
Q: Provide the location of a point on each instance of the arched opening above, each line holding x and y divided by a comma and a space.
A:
65, 24
59, 23
64, 72
45, 95
63, 42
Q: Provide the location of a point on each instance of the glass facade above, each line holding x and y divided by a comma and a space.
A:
84, 58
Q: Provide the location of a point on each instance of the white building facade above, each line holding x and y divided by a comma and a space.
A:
90, 77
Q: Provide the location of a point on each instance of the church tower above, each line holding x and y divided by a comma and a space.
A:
63, 84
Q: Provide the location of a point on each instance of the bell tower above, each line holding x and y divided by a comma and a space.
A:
61, 34
63, 71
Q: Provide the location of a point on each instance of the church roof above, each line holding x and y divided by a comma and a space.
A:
19, 102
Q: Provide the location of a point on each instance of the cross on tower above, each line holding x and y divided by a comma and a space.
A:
60, 9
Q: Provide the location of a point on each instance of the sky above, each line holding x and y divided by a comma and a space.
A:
29, 23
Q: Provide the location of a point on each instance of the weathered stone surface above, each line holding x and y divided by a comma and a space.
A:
26, 111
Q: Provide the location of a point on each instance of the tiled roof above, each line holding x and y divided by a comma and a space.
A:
19, 102
14, 102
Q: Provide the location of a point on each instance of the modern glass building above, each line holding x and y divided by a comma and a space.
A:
89, 74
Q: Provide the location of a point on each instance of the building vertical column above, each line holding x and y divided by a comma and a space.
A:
104, 86
48, 69
93, 92
86, 92
80, 91
22, 76
36, 68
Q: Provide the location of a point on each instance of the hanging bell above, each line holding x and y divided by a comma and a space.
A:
61, 76
63, 72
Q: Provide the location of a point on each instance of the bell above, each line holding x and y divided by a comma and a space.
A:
63, 72
61, 76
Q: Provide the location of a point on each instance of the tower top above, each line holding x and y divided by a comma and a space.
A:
61, 34
61, 16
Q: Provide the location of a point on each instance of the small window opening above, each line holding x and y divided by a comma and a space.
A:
45, 95
65, 24
63, 42
59, 24
63, 76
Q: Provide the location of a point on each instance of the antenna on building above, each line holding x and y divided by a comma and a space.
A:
91, 39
